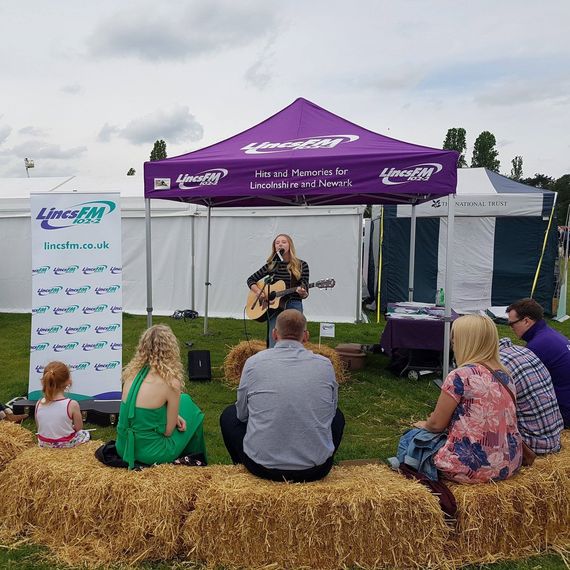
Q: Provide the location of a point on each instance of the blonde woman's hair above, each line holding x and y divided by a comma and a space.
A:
476, 340
158, 348
294, 265
54, 379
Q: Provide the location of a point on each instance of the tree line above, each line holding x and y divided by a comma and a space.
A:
158, 152
486, 155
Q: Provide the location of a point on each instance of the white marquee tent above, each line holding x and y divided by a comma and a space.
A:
322, 236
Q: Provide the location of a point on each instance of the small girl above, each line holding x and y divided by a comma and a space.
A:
58, 418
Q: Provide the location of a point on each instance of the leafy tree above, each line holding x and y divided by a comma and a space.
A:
131, 172
158, 150
540, 181
516, 170
455, 140
562, 186
484, 152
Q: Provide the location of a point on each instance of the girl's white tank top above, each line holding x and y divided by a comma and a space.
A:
54, 420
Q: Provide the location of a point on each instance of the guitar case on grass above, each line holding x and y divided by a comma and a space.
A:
99, 412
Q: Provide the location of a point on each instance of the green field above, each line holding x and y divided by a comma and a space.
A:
378, 406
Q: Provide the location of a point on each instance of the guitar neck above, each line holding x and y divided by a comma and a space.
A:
290, 290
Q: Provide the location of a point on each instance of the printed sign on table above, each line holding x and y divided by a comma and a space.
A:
77, 291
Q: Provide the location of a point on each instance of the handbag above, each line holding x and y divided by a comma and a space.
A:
528, 455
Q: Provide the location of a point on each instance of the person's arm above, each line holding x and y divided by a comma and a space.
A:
303, 289
242, 391
439, 419
75, 413
172, 407
254, 278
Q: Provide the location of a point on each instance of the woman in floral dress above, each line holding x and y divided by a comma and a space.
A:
475, 408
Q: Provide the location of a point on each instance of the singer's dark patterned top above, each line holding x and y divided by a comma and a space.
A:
281, 273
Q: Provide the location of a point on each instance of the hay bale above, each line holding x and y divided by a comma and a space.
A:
561, 460
366, 517
14, 439
522, 516
88, 513
236, 357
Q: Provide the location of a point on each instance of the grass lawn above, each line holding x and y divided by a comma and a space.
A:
378, 406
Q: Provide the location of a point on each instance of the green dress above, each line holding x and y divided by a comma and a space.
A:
140, 431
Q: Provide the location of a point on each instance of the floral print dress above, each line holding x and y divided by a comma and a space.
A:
483, 441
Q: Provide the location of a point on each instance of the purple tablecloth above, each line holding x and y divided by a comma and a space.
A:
413, 333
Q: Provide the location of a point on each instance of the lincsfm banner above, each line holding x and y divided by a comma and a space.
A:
77, 291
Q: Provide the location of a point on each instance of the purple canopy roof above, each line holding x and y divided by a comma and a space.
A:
304, 155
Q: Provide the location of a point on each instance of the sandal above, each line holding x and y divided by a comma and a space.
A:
189, 461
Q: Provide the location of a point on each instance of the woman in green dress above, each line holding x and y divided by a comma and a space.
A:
157, 422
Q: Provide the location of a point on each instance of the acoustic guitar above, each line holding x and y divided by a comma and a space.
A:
257, 311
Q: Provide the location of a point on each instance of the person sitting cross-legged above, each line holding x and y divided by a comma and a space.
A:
526, 318
157, 422
538, 415
285, 425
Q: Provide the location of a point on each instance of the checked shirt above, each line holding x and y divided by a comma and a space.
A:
538, 416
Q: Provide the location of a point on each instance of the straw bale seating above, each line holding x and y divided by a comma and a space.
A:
86, 512
515, 518
366, 516
238, 354
359, 516
14, 439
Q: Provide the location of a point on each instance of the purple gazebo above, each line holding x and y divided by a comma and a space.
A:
306, 156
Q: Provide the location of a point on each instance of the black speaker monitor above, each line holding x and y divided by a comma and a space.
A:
199, 367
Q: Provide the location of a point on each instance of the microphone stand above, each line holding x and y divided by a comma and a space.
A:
267, 283
268, 280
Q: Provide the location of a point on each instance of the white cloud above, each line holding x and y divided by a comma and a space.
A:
107, 131
32, 131
258, 74
408, 70
71, 89
39, 149
174, 126
523, 91
5, 131
180, 30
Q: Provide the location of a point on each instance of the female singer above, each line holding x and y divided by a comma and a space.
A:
283, 265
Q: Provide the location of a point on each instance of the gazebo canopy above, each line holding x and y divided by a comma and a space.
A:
304, 155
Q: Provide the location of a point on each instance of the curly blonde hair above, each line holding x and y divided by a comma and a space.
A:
294, 265
158, 348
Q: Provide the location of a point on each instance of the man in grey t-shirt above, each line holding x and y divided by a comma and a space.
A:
285, 424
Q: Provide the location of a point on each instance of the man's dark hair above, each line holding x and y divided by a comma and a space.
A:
527, 308
291, 324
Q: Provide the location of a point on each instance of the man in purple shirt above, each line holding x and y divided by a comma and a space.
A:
525, 317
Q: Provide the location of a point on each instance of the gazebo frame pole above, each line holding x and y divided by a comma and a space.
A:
207, 282
448, 282
412, 254
358, 308
193, 256
148, 263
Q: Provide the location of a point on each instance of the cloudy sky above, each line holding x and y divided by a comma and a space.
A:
87, 87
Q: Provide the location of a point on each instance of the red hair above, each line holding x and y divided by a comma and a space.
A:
55, 378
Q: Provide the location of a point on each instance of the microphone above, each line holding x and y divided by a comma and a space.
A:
280, 253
